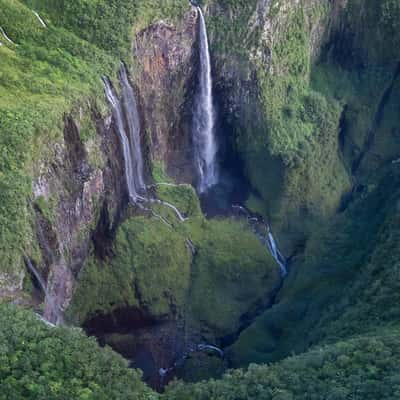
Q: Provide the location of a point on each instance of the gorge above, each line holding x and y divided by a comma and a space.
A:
199, 201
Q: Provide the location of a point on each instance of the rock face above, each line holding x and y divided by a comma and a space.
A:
71, 189
166, 77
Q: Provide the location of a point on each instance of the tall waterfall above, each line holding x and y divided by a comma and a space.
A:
130, 137
205, 147
133, 120
127, 119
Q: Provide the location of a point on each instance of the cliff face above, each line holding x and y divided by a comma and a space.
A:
281, 130
77, 184
166, 66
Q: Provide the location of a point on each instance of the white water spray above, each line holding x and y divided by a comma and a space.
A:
205, 147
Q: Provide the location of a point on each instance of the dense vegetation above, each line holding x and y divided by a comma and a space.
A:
229, 273
39, 362
361, 368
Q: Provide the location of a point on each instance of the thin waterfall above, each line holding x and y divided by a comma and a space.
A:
133, 121
36, 274
265, 236
49, 302
6, 36
118, 115
205, 147
276, 253
129, 133
40, 19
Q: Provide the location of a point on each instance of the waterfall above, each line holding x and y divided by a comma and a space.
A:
40, 19
205, 147
36, 274
51, 313
126, 111
133, 121
204, 347
276, 253
266, 237
6, 36
118, 113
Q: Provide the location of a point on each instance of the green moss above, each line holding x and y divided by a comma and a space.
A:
232, 272
101, 289
158, 172
150, 269
160, 261
339, 288
183, 197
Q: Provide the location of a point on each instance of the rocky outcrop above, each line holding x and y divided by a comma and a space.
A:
76, 183
166, 77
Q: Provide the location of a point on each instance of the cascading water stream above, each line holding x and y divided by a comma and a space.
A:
31, 268
6, 36
202, 347
127, 111
205, 147
133, 122
40, 19
118, 115
266, 238
36, 274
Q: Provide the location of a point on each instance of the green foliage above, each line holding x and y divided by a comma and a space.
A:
343, 286
42, 363
107, 24
150, 268
46, 208
230, 29
183, 197
363, 368
153, 267
232, 273
14, 186
44, 76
